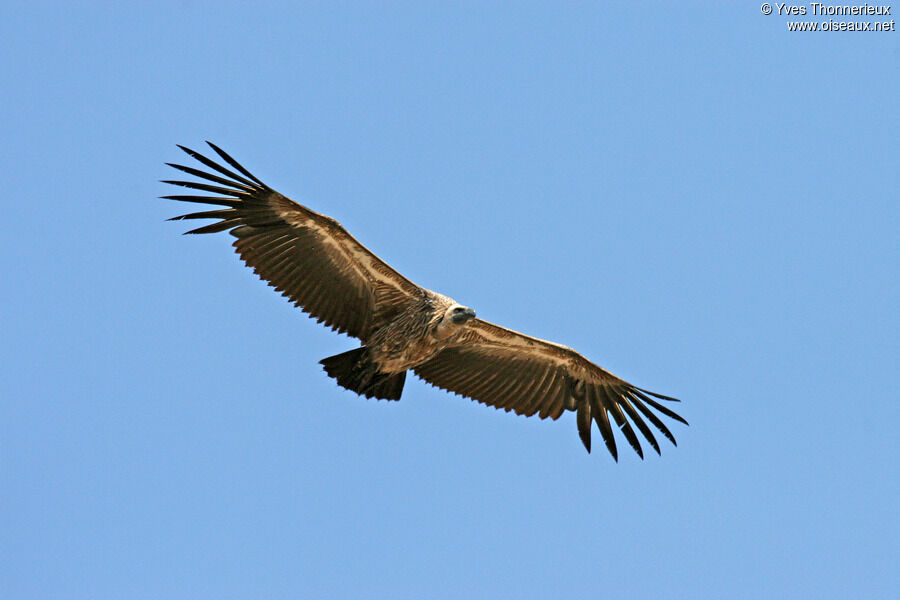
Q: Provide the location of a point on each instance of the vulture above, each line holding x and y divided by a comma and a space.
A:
313, 261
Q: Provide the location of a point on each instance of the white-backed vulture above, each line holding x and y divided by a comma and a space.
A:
312, 260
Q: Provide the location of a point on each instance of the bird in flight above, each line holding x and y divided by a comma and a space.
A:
314, 262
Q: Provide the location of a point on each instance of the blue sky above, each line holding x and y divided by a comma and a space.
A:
688, 194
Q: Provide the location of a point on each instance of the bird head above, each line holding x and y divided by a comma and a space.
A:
460, 314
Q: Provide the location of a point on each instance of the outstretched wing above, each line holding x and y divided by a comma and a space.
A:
512, 371
310, 258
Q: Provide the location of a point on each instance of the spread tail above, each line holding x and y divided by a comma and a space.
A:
356, 372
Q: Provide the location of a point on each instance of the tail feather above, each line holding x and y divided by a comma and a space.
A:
355, 371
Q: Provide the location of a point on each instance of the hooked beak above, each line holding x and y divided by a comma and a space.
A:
464, 316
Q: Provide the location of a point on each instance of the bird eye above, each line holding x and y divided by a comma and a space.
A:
458, 309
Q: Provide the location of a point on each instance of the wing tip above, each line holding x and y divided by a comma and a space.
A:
613, 451
655, 395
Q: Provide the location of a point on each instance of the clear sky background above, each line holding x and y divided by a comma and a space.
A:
687, 193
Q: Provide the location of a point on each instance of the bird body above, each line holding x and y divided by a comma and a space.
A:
313, 261
416, 334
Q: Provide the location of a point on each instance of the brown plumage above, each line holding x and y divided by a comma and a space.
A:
312, 260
